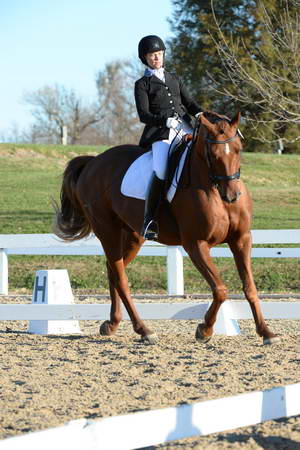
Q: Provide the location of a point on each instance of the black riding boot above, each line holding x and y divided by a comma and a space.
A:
155, 193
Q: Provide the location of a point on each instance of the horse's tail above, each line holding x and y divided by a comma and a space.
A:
71, 223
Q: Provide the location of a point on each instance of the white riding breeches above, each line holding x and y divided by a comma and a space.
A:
160, 149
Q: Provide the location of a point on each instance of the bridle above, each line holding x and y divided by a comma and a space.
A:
215, 179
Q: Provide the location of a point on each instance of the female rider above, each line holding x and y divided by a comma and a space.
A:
162, 101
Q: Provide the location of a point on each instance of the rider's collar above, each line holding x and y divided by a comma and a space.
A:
159, 73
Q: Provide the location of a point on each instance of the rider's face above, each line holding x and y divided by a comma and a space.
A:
155, 59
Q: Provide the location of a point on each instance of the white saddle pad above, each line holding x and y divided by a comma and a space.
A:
137, 178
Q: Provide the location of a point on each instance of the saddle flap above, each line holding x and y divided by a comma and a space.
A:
174, 162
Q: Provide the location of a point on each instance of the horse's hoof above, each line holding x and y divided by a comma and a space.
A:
200, 336
271, 340
105, 329
150, 338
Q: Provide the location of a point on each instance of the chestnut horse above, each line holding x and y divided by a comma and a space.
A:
212, 206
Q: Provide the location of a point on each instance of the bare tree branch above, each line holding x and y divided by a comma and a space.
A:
269, 81
115, 86
55, 107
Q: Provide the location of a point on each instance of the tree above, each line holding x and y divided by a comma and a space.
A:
243, 54
13, 134
55, 108
115, 85
269, 83
110, 120
193, 51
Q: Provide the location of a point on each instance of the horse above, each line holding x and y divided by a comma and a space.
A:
211, 206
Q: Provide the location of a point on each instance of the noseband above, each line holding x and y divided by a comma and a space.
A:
212, 141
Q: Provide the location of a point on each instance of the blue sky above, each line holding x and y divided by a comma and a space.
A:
44, 42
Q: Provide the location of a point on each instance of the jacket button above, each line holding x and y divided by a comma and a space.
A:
171, 101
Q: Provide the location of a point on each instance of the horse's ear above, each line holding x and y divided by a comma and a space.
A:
236, 120
210, 126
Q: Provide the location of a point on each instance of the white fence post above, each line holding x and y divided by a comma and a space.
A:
175, 271
64, 135
3, 272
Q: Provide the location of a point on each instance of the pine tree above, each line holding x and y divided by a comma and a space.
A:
243, 54
193, 51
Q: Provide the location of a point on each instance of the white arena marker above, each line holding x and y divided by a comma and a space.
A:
52, 287
225, 324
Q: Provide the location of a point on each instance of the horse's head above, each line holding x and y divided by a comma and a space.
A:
220, 146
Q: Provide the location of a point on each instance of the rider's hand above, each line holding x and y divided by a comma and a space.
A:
198, 114
172, 122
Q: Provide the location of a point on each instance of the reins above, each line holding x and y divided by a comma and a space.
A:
215, 179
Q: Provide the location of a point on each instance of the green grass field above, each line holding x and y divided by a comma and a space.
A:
31, 177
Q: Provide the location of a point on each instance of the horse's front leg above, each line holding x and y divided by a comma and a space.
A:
241, 249
199, 253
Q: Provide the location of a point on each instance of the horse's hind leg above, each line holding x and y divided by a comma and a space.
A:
117, 258
199, 253
109, 327
132, 242
241, 249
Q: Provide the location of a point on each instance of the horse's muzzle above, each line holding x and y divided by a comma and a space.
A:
231, 198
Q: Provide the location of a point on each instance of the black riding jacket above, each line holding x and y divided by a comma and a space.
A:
156, 101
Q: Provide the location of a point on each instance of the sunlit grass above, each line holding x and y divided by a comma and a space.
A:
30, 177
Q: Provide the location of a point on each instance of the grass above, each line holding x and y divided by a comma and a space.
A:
30, 177
274, 183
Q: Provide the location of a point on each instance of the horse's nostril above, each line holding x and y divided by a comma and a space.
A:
228, 199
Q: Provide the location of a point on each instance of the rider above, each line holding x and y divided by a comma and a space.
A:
162, 101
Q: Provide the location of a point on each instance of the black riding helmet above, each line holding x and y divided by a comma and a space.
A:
150, 44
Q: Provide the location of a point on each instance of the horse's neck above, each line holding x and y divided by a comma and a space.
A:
199, 171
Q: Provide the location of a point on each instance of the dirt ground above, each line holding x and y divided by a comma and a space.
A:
49, 380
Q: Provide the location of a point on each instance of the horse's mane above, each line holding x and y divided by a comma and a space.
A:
214, 117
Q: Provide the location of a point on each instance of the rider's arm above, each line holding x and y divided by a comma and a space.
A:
143, 107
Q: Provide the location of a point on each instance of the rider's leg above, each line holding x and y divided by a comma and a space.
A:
160, 151
154, 195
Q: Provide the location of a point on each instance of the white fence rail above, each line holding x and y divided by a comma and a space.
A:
236, 310
154, 427
49, 244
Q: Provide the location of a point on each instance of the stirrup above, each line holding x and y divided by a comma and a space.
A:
151, 231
